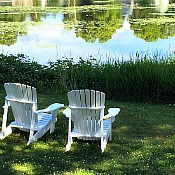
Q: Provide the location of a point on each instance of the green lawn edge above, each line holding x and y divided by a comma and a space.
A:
143, 143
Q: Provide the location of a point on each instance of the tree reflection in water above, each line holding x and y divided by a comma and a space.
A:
111, 28
162, 5
127, 11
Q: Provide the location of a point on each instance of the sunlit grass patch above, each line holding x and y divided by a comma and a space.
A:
80, 172
165, 127
122, 129
18, 148
41, 146
23, 168
1, 151
164, 130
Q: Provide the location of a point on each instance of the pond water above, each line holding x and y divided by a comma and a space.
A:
105, 30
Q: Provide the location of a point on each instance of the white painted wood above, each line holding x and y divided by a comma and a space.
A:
86, 114
23, 101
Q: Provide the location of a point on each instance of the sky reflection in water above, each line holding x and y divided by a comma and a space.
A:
51, 41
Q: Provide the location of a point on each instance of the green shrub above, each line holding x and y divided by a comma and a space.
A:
147, 79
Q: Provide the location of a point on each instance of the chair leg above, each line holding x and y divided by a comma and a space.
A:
31, 134
102, 144
52, 128
104, 141
110, 133
7, 131
36, 136
68, 147
31, 137
54, 120
70, 141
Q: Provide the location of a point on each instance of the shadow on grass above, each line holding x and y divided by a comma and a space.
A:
143, 143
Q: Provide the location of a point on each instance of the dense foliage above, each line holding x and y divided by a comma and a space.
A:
21, 69
91, 23
145, 79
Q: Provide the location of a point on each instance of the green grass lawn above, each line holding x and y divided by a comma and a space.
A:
143, 144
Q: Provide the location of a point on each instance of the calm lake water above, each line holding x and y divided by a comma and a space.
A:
116, 30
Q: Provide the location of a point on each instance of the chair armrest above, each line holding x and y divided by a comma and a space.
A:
112, 112
52, 107
67, 112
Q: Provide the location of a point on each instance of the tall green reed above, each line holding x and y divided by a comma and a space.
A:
145, 79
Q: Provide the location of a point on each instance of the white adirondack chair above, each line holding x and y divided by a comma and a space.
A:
23, 101
86, 111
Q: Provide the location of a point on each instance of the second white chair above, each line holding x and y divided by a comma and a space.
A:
86, 111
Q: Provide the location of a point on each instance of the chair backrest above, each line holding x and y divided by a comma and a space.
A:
87, 109
23, 101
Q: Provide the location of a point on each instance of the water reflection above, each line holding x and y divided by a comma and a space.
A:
101, 32
22, 2
41, 3
127, 10
124, 35
162, 5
